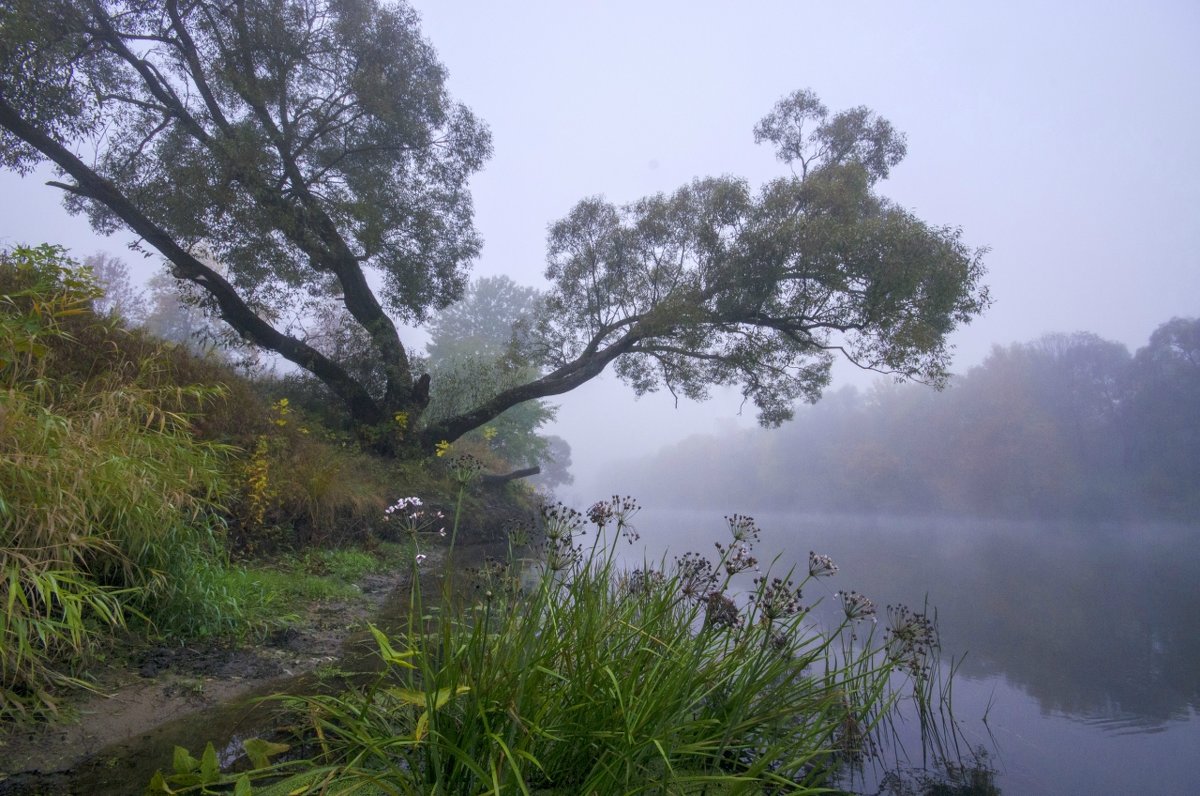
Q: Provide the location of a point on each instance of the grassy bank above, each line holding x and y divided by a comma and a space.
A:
149, 493
567, 674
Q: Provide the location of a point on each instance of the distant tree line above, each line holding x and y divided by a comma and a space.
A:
1069, 424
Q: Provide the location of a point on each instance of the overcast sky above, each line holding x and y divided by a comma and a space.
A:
1064, 136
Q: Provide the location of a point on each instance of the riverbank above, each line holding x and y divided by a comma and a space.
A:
149, 685
154, 697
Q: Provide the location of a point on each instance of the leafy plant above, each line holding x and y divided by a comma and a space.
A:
203, 774
578, 677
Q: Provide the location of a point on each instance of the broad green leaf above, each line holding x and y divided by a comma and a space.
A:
260, 752
210, 766
157, 785
420, 698
182, 762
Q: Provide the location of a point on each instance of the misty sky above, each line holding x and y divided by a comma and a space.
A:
1064, 136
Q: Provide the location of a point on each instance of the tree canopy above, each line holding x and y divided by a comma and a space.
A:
278, 153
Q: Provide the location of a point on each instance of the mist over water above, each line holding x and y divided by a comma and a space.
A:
1077, 641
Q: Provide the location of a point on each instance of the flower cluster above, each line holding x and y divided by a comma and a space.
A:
743, 529
560, 554
403, 504
517, 532
821, 566
560, 524
641, 582
736, 558
776, 599
617, 508
721, 611
600, 513
696, 576
560, 521
465, 468
493, 577
910, 640
856, 606
412, 516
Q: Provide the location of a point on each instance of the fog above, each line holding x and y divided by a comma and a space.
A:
1062, 136
1063, 426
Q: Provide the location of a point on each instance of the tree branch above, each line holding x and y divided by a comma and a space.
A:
334, 253
233, 309
566, 378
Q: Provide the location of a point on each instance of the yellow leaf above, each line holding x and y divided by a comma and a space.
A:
387, 652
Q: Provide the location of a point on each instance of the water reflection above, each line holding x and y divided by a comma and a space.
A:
1094, 623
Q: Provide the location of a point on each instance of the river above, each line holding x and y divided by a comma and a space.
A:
1077, 643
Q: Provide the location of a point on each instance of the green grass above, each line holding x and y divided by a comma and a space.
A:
119, 492
582, 678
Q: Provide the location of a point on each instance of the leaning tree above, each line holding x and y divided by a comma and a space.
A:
294, 153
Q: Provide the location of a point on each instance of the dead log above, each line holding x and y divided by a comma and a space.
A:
488, 479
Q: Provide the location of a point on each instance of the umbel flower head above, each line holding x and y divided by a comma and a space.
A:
721, 611
560, 521
821, 566
619, 509
910, 640
414, 518
696, 576
776, 599
856, 606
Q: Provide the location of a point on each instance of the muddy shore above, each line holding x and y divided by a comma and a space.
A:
164, 685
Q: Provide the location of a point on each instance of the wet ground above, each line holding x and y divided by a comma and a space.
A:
163, 686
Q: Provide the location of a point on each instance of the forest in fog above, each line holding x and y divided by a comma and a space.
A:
1066, 425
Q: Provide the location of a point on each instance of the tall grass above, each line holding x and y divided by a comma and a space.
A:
107, 503
578, 677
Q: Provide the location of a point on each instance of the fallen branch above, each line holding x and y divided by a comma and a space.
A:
489, 479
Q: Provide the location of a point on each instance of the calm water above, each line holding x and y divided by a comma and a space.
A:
1081, 643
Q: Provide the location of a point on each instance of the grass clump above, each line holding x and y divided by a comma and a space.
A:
575, 676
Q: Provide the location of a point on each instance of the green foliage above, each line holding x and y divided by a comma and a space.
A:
464, 382
203, 775
479, 347
492, 319
301, 486
714, 285
578, 678
1161, 418
219, 600
333, 150
396, 149
109, 505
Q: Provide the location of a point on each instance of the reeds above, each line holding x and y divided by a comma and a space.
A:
568, 675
